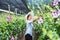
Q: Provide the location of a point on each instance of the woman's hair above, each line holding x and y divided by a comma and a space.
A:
28, 16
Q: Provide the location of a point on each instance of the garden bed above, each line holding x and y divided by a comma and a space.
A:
12, 25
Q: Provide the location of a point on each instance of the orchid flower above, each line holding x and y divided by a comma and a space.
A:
9, 18
12, 38
54, 14
40, 20
54, 3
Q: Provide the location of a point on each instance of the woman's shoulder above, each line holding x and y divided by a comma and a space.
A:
29, 21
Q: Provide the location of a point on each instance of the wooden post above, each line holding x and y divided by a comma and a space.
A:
16, 11
9, 8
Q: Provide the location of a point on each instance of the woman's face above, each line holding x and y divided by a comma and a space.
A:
30, 17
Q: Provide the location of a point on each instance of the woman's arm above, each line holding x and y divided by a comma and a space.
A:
35, 19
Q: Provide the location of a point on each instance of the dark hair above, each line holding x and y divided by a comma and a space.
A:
28, 16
